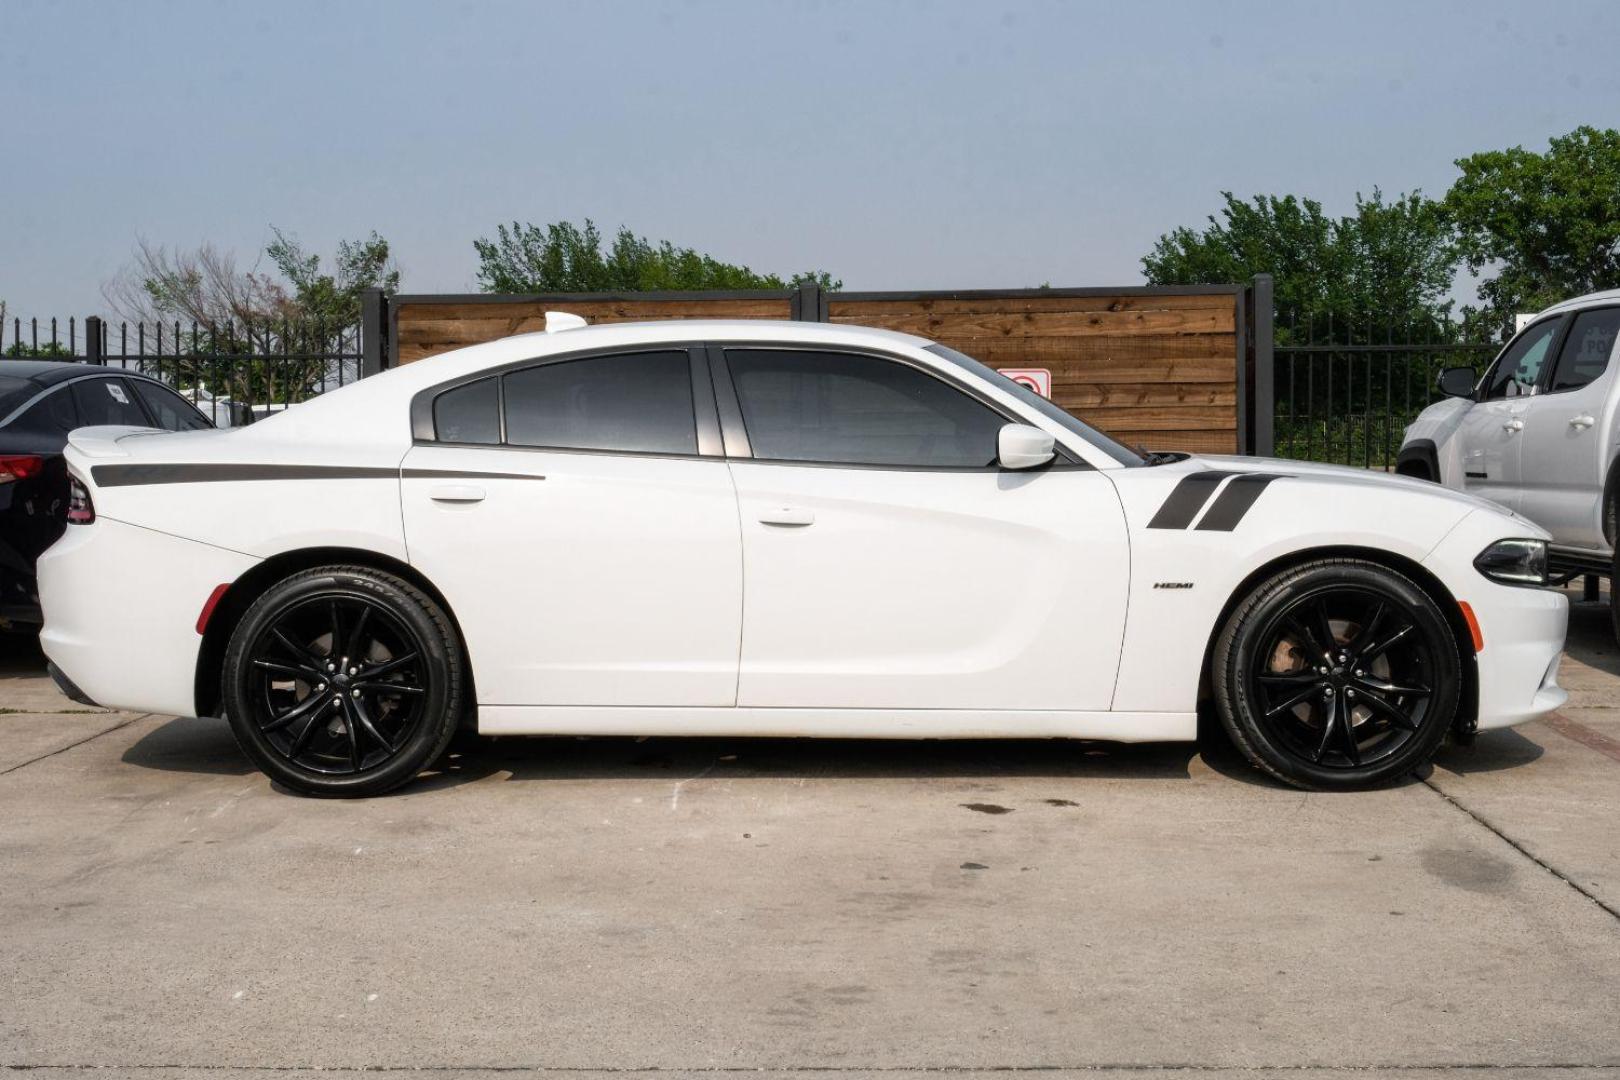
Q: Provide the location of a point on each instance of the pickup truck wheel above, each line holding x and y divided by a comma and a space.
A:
1337, 674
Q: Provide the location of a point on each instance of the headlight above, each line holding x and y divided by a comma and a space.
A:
1514, 562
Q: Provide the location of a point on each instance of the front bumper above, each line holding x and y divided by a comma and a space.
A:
1522, 628
121, 606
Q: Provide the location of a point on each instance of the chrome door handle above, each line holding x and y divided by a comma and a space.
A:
456, 493
1582, 421
1513, 425
787, 515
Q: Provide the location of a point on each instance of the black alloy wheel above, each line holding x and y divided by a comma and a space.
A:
343, 681
1340, 673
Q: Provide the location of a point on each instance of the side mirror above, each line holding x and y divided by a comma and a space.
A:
1457, 381
1019, 446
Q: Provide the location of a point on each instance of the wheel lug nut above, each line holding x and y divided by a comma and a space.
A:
319, 687
1359, 673
337, 700
1327, 692
1349, 693
354, 693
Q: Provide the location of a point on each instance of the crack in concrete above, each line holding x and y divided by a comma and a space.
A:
70, 746
1486, 824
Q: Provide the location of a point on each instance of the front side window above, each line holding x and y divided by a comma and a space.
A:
1584, 356
638, 402
1518, 368
843, 408
170, 411
107, 401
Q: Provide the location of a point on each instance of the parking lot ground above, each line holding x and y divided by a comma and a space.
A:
609, 906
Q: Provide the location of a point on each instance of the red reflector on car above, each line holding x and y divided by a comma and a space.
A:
1473, 625
19, 467
210, 604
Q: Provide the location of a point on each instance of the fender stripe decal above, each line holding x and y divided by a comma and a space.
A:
1187, 499
1235, 500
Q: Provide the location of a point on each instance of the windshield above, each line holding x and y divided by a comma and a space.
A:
1118, 451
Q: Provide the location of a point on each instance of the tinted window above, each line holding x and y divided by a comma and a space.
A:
169, 410
640, 402
1585, 353
837, 407
106, 401
53, 412
1517, 370
469, 414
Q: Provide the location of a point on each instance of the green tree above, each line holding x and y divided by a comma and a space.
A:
334, 298
1540, 227
564, 257
1388, 263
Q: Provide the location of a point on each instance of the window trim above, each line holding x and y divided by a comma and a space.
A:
706, 427
1554, 347
1544, 384
731, 403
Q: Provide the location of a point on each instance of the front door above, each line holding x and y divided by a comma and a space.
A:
1490, 437
1563, 464
590, 552
889, 563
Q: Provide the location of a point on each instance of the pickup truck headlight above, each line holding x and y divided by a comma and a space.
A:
1514, 562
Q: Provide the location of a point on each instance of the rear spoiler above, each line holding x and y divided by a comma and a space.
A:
102, 442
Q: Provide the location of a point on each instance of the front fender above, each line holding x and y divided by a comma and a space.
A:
1182, 578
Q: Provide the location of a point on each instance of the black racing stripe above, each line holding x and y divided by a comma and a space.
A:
1235, 501
128, 475
466, 474
1187, 499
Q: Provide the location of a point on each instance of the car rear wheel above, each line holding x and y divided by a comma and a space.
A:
343, 681
1339, 673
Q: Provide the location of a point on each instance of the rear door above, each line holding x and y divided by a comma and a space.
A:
581, 521
1564, 460
891, 564
1490, 436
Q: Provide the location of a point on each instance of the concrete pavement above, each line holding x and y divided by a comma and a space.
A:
691, 906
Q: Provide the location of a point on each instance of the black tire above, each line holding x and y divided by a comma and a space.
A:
1361, 710
379, 717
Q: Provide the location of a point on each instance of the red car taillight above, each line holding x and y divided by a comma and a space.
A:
81, 511
20, 467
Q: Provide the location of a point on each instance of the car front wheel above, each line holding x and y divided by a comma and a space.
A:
343, 681
1339, 673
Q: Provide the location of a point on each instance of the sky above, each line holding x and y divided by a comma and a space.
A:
898, 145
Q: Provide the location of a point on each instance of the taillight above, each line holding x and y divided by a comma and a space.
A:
81, 511
19, 467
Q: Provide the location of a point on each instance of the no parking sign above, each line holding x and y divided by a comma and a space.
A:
1038, 379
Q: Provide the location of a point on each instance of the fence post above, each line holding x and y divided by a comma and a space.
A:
373, 332
805, 306
1265, 367
92, 341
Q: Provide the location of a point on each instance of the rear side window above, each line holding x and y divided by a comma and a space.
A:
861, 410
106, 401
469, 414
1586, 351
169, 410
640, 402
53, 412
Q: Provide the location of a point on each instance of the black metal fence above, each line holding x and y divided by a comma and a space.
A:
1346, 390
232, 371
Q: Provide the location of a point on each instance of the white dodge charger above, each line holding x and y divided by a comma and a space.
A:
771, 528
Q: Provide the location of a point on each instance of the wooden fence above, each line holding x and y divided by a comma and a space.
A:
1163, 368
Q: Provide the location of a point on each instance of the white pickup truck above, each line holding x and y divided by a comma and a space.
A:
1539, 432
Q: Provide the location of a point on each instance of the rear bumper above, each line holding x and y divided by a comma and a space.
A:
121, 606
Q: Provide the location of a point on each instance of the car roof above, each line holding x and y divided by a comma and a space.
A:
1607, 296
51, 372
